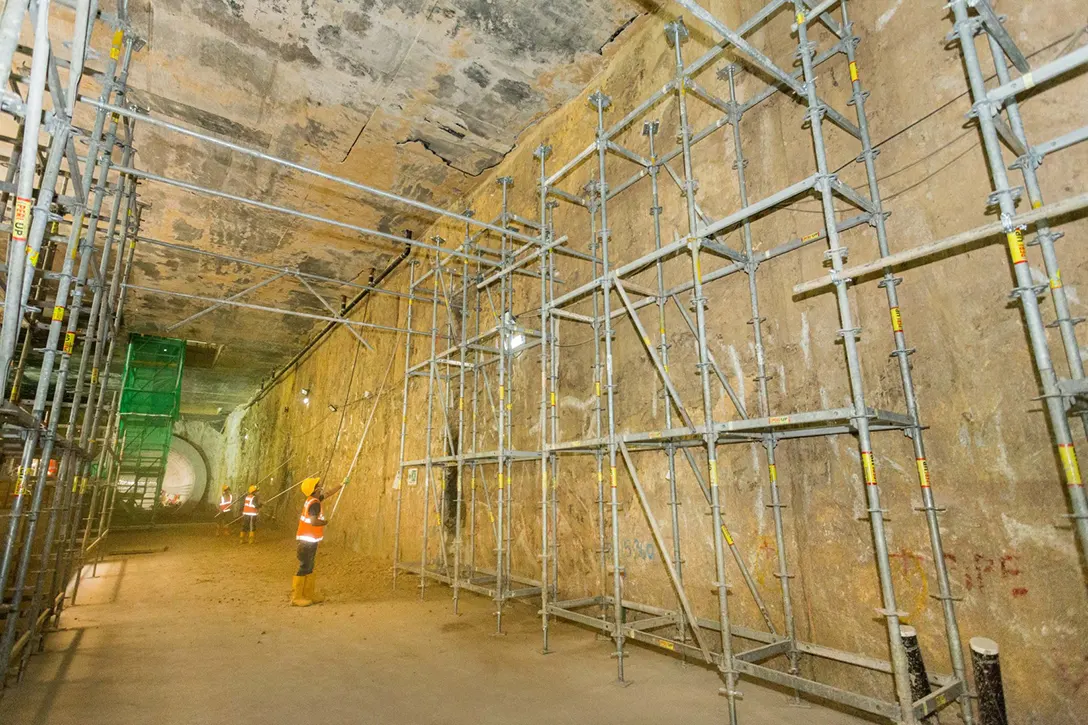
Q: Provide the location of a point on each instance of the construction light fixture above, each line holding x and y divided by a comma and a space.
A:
332, 408
305, 392
306, 400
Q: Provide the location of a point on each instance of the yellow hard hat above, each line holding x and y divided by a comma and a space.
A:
253, 489
310, 484
226, 487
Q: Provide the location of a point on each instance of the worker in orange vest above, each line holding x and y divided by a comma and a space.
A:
250, 509
226, 503
311, 530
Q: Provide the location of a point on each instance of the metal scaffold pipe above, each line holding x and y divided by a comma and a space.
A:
388, 196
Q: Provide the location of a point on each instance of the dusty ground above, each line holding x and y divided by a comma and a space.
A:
202, 633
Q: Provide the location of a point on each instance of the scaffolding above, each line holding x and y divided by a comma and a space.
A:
693, 435
997, 112
65, 243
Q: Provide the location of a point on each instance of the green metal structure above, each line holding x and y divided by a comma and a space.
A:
150, 403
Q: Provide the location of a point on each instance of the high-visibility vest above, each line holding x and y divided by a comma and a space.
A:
249, 508
308, 530
225, 502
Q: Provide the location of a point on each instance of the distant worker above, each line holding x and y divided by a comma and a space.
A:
250, 509
311, 530
222, 519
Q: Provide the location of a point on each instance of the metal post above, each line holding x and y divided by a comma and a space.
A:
900, 671
902, 352
503, 469
599, 101
404, 417
769, 440
541, 154
649, 130
676, 33
460, 451
984, 110
21, 216
429, 471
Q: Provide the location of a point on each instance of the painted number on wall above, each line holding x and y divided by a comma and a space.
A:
637, 549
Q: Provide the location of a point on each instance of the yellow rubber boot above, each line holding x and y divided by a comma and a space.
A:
309, 590
298, 592
252, 536
241, 537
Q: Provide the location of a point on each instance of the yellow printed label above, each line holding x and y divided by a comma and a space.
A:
713, 473
1056, 279
853, 71
600, 476
613, 476
923, 472
460, 404
778, 420
500, 481
869, 468
698, 269
725, 533
897, 320
491, 516
1036, 204
115, 48
1069, 463
83, 485
772, 471
800, 18
597, 384
1017, 251
69, 342
553, 399
75, 484
502, 393
20, 220
646, 341
666, 644
58, 314
810, 237
32, 257
20, 481
94, 376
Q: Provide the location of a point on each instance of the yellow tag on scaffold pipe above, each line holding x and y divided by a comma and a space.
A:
713, 473
502, 393
553, 399
69, 342
20, 220
75, 484
600, 476
725, 533
800, 18
83, 486
32, 256
597, 385
923, 472
867, 466
58, 314
115, 47
772, 471
1017, 251
810, 237
500, 481
1036, 204
1056, 279
897, 320
853, 71
613, 476
1069, 463
94, 376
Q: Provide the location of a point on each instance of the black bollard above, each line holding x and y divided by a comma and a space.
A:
919, 679
991, 695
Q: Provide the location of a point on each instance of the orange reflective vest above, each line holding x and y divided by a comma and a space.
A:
308, 530
249, 508
225, 502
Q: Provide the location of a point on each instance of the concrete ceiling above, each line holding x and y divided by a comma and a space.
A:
417, 96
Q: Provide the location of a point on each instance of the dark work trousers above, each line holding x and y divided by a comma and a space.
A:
249, 523
307, 551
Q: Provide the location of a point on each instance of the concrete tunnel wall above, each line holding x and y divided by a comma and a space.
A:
992, 464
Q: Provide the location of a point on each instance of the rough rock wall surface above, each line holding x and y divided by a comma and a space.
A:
1014, 567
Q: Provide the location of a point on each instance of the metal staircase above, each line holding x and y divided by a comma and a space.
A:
150, 403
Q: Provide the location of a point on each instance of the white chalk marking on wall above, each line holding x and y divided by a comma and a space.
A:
804, 341
888, 15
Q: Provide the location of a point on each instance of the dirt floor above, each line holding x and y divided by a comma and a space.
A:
201, 633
